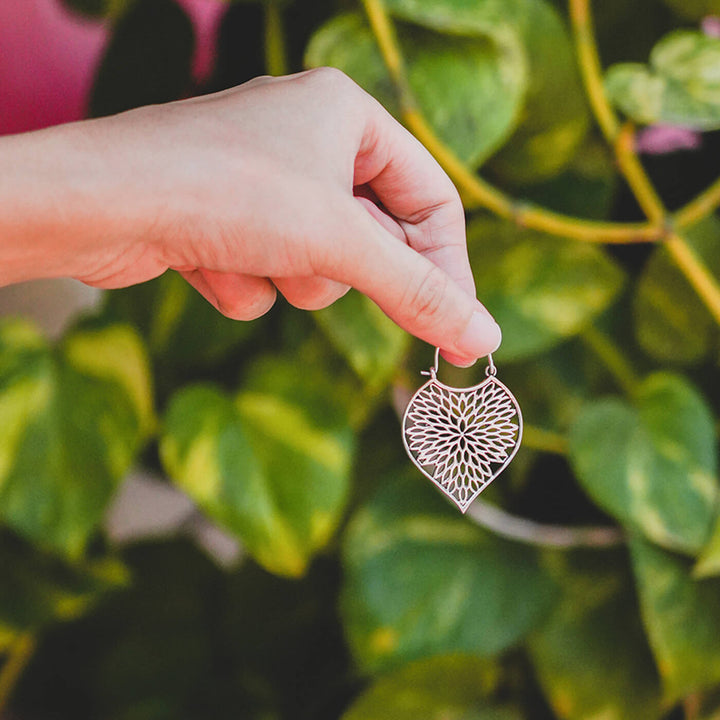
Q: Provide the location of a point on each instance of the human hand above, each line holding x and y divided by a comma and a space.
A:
302, 183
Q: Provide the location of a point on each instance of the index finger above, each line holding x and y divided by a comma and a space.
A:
416, 191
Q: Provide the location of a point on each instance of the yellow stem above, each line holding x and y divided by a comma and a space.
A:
638, 180
612, 358
482, 193
696, 272
622, 141
20, 653
698, 208
591, 70
275, 54
473, 188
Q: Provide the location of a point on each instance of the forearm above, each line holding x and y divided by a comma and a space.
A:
61, 211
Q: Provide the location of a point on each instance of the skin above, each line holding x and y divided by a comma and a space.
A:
301, 184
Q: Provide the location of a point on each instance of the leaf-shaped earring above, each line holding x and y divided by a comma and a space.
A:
462, 438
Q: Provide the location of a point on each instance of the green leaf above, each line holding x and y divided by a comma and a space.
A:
681, 617
585, 188
182, 329
694, 9
671, 322
421, 580
469, 89
708, 563
270, 466
554, 386
452, 687
147, 60
555, 117
592, 658
75, 419
497, 19
373, 345
38, 589
680, 87
654, 466
540, 289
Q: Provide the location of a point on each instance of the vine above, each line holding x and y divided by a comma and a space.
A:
661, 225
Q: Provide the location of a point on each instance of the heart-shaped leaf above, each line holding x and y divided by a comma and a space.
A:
75, 418
270, 465
654, 466
680, 87
421, 580
672, 323
592, 657
470, 89
540, 289
681, 617
372, 343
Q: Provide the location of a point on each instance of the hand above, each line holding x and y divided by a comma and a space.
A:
302, 184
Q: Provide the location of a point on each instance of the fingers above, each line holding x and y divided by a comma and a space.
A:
418, 295
240, 297
416, 191
310, 293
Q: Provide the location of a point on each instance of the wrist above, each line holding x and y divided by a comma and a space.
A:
59, 215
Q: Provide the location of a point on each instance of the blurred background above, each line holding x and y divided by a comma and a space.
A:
201, 518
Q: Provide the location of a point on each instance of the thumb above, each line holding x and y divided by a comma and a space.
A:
414, 292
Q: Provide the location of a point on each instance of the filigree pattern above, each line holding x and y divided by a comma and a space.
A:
462, 438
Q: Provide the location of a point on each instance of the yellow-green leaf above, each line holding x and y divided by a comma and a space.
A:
653, 466
682, 619
268, 467
76, 417
592, 658
679, 87
372, 343
450, 687
541, 289
469, 88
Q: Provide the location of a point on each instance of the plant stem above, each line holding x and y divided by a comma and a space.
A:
612, 358
482, 193
638, 180
622, 141
698, 208
473, 188
696, 272
527, 531
19, 656
275, 54
591, 69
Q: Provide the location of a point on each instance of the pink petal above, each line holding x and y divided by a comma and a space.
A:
206, 16
47, 63
663, 139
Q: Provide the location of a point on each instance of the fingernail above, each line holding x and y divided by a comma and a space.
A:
481, 336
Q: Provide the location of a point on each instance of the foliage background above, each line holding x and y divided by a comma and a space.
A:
583, 585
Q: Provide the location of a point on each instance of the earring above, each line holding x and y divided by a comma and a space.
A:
462, 438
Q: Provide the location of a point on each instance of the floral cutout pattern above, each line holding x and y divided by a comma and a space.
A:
462, 439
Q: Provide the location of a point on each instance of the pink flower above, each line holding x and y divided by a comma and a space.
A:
663, 139
50, 55
711, 26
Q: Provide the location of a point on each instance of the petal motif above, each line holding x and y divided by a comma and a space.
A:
462, 438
